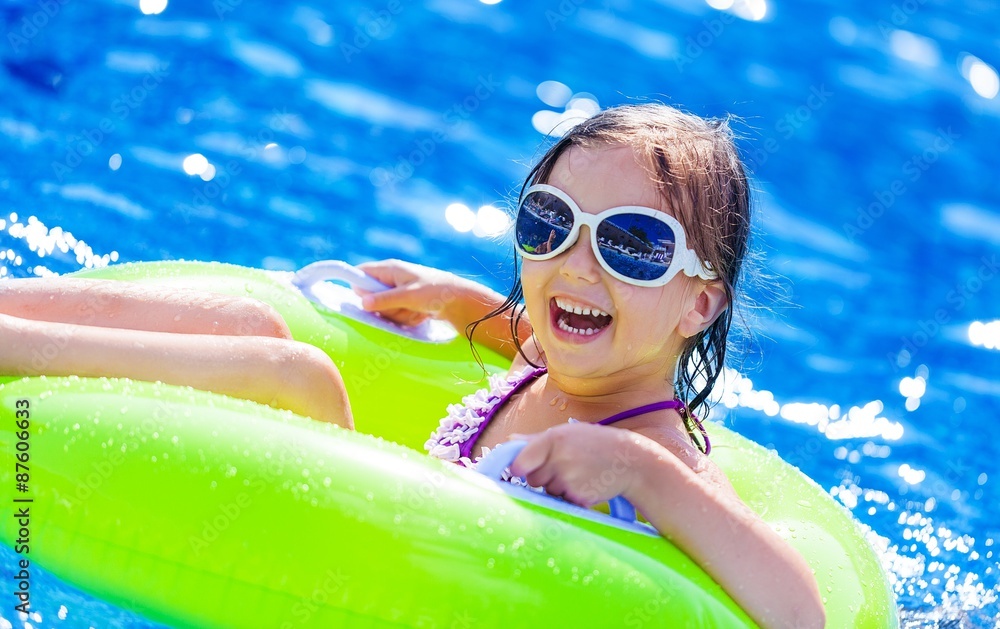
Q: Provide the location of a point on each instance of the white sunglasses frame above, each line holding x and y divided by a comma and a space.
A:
684, 259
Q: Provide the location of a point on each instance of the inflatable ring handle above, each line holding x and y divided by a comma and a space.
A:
309, 281
500, 458
336, 270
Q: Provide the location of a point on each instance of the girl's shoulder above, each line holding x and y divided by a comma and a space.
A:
700, 463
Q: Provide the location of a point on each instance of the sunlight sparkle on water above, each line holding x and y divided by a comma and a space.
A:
915, 48
981, 76
910, 475
986, 335
195, 164
490, 222
553, 93
460, 217
753, 10
578, 107
152, 7
858, 422
50, 242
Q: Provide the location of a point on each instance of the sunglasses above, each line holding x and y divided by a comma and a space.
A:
637, 245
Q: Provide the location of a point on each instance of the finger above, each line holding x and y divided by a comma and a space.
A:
532, 457
546, 477
401, 316
394, 298
405, 317
390, 272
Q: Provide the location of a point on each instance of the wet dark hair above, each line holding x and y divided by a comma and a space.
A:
696, 165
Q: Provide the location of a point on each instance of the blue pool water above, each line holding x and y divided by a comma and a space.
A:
345, 130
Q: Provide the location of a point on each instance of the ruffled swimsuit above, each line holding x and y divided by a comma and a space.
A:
457, 434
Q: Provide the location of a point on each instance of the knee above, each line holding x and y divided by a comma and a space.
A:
318, 385
257, 318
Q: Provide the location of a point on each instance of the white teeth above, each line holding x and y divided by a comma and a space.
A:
580, 310
568, 328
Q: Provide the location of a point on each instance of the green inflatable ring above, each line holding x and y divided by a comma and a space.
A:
198, 510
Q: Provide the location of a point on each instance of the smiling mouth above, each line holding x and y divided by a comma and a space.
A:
579, 320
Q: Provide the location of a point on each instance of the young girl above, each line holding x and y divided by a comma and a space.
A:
632, 233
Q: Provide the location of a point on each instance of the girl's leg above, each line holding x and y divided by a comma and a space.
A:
131, 306
274, 371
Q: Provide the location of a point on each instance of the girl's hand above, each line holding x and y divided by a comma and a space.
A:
584, 463
418, 292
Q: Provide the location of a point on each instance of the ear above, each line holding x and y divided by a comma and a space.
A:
709, 302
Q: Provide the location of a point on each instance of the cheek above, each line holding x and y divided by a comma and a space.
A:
534, 275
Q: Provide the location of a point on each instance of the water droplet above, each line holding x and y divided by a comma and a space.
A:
369, 496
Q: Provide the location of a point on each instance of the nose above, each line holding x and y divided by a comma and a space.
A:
580, 262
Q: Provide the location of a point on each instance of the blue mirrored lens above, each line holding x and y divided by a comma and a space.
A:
637, 246
543, 223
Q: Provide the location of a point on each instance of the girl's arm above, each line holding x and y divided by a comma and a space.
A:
422, 292
281, 373
766, 576
113, 304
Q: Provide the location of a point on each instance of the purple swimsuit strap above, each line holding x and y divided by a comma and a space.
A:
466, 448
642, 410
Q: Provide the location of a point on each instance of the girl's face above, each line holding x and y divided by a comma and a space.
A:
642, 338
